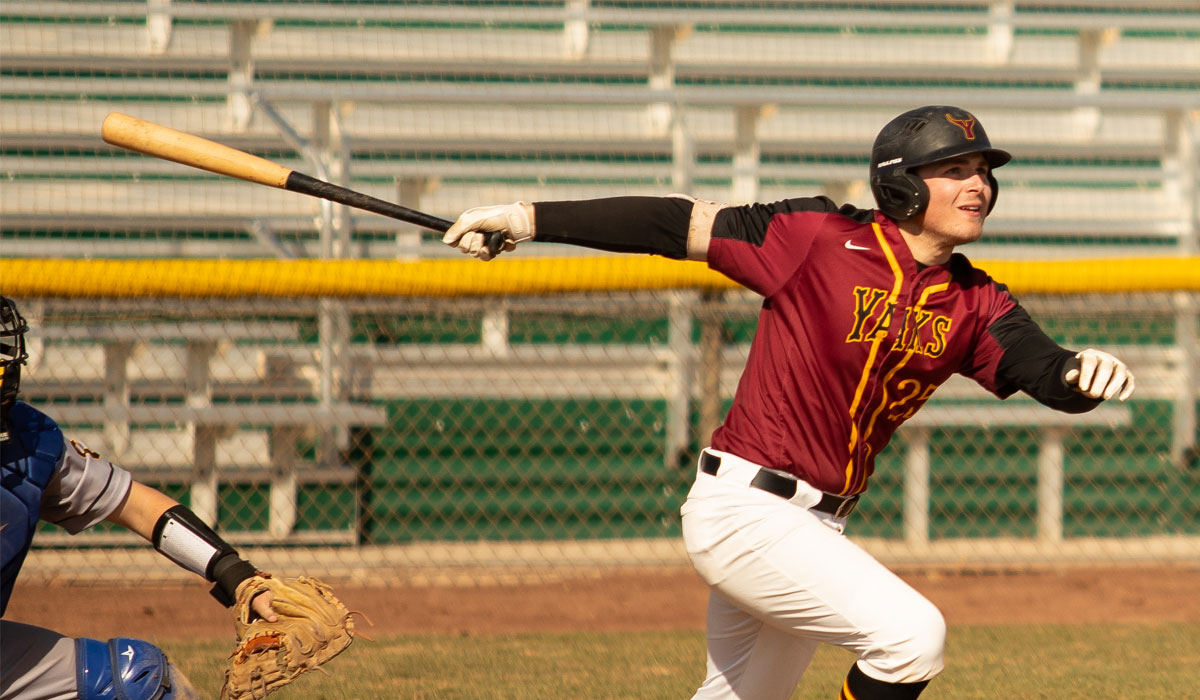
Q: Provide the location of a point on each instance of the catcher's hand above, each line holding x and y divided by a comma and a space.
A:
311, 626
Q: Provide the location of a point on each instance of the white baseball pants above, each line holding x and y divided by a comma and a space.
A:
784, 579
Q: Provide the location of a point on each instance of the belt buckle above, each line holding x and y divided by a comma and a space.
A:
846, 507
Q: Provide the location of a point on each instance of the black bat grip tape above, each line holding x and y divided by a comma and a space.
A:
495, 242
304, 184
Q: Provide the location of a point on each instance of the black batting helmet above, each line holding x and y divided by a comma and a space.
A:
12, 356
918, 137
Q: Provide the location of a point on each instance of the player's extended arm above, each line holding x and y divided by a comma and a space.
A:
676, 226
1057, 377
182, 537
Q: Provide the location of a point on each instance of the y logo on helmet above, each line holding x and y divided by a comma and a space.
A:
967, 125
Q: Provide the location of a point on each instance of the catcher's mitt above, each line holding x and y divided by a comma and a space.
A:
313, 627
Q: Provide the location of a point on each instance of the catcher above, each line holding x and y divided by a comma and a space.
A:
285, 627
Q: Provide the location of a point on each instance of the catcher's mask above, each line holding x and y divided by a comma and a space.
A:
12, 356
919, 137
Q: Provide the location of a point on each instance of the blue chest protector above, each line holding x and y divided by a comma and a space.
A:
29, 458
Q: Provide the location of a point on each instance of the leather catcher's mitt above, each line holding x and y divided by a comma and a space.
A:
313, 627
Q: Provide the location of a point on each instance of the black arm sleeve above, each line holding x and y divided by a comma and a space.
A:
1035, 364
654, 225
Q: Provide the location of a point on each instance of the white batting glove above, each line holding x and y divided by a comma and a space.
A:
471, 231
1101, 376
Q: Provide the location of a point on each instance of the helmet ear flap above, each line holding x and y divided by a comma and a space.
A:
901, 195
995, 191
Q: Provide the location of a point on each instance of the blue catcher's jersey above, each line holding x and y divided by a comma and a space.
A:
29, 458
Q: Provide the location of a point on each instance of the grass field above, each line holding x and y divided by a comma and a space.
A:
1097, 662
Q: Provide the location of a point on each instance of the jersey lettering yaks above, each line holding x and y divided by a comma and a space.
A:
922, 333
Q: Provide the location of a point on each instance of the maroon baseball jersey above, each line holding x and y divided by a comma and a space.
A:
852, 339
853, 336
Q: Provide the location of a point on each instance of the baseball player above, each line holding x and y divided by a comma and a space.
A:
865, 313
47, 477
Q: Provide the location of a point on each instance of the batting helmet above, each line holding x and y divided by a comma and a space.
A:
12, 356
918, 137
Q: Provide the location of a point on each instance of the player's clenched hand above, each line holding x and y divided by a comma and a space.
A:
1101, 376
470, 232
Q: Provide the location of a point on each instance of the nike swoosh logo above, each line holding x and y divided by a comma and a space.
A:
851, 246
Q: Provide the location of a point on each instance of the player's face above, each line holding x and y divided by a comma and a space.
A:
959, 194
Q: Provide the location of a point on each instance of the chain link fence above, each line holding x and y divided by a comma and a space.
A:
396, 439
402, 439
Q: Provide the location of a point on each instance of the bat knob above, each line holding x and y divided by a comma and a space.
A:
495, 243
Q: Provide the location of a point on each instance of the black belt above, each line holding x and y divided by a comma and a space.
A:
785, 487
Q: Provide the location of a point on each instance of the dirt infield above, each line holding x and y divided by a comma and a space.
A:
659, 600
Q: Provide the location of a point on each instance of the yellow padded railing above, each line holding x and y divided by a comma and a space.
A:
514, 275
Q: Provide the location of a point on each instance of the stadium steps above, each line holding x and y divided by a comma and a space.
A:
1096, 85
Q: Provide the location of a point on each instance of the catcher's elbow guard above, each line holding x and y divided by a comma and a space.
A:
181, 536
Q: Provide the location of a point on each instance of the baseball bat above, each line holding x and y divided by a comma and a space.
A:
164, 142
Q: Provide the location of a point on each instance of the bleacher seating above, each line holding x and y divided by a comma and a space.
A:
198, 404
1097, 100
586, 99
